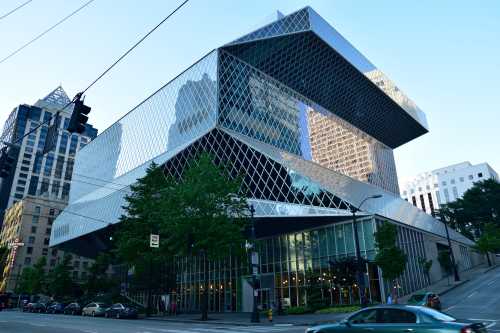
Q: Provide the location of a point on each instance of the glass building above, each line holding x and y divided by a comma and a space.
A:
311, 124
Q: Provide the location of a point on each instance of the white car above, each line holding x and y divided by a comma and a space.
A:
95, 309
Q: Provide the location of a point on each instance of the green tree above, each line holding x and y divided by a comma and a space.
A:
445, 262
33, 279
60, 284
201, 213
390, 258
315, 288
148, 208
210, 217
98, 280
479, 206
426, 266
489, 241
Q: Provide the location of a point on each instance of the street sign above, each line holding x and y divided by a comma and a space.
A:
15, 244
154, 240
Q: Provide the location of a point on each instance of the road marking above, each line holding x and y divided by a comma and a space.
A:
482, 319
489, 284
475, 292
177, 331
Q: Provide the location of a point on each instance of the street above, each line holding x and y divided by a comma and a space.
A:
19, 322
478, 300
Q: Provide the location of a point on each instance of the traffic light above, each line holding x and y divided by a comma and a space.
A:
52, 134
79, 116
7, 160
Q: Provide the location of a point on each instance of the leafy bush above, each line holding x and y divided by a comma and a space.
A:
339, 309
298, 310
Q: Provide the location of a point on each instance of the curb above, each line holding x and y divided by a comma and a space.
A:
490, 268
239, 323
453, 287
213, 322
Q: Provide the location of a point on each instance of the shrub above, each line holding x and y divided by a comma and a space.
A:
298, 310
339, 309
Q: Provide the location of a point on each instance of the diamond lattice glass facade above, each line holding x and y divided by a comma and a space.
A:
311, 125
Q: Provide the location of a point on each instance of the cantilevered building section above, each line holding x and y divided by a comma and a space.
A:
309, 122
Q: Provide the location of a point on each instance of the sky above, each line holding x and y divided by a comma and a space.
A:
445, 55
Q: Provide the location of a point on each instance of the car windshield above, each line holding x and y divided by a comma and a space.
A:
417, 298
436, 315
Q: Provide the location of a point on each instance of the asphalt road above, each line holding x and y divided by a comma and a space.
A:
478, 300
19, 322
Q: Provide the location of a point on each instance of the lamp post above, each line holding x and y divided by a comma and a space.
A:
452, 256
254, 267
359, 261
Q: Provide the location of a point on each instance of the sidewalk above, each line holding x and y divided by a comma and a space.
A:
243, 319
443, 286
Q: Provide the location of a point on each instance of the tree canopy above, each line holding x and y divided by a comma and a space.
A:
479, 206
33, 279
59, 282
199, 213
390, 258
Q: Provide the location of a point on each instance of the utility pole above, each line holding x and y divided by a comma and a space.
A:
452, 256
254, 262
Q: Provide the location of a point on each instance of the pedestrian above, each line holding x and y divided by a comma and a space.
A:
389, 299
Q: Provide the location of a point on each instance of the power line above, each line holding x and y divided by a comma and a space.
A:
15, 9
135, 45
100, 76
35, 201
46, 31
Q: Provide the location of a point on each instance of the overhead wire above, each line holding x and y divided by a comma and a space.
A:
12, 11
13, 53
135, 45
35, 201
90, 85
103, 73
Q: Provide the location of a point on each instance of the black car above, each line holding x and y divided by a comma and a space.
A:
37, 307
73, 309
121, 310
57, 307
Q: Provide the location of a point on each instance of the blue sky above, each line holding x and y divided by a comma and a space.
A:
445, 55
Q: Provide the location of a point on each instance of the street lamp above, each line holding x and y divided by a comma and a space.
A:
254, 267
359, 266
455, 270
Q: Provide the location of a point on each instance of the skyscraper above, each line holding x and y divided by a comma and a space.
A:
48, 176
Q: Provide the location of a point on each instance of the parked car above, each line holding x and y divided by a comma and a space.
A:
73, 309
399, 318
56, 308
27, 306
95, 309
121, 310
428, 299
37, 307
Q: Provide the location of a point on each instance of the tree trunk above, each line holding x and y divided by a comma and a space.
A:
204, 304
394, 291
489, 260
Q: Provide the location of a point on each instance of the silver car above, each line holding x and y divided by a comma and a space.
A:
94, 309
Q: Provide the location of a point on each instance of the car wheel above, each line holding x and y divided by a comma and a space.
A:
118, 316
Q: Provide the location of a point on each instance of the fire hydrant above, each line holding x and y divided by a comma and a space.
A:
270, 314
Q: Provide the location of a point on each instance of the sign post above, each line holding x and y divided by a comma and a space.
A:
154, 240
